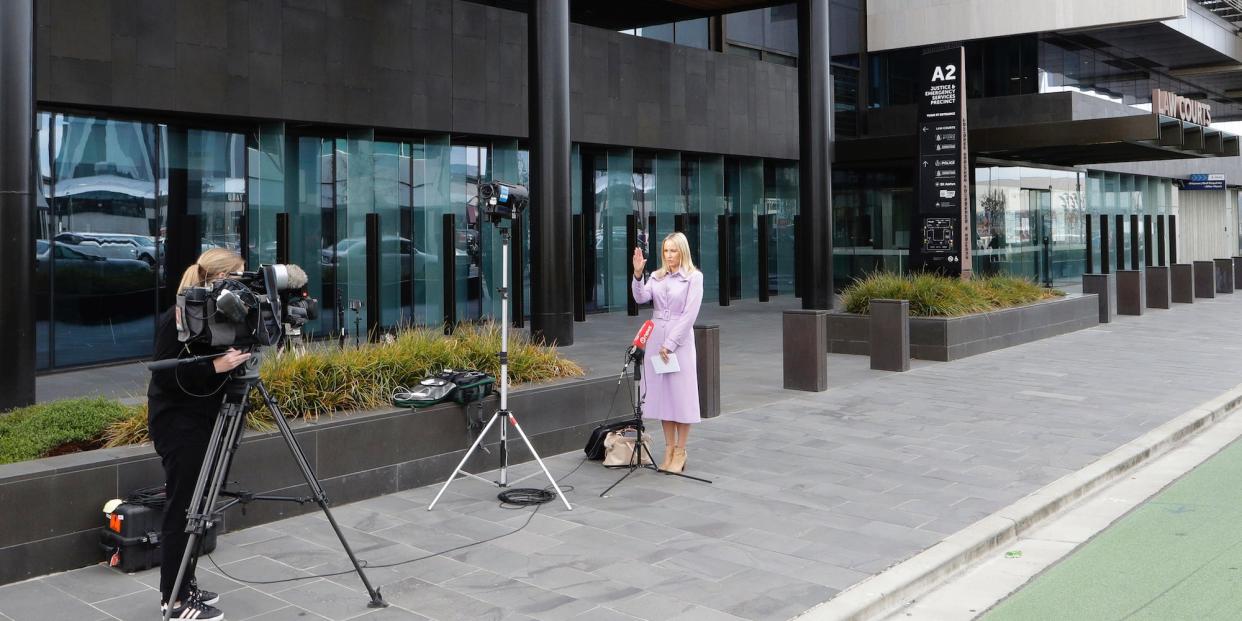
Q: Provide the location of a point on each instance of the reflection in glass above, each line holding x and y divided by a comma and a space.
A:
391, 197
267, 195
610, 234
216, 190
44, 228
781, 205
707, 203
103, 252
871, 221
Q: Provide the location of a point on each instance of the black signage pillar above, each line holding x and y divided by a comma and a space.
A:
552, 285
17, 329
940, 240
814, 154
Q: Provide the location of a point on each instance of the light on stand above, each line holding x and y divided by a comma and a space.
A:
502, 201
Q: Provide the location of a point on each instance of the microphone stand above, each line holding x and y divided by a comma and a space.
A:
635, 359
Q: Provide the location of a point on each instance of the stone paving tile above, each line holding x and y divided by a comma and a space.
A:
440, 603
96, 583
600, 613
288, 613
327, 599
35, 600
391, 613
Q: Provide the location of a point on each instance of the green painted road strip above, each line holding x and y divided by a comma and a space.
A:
1177, 556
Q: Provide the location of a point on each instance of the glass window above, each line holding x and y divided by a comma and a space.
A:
692, 33
45, 230
102, 250
392, 202
748, 52
266, 194
781, 28
746, 27
216, 188
781, 205
663, 32
432, 200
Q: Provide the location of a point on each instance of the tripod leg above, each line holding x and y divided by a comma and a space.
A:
462, 464
321, 498
224, 435
551, 479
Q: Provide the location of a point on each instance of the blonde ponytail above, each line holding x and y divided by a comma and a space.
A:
214, 261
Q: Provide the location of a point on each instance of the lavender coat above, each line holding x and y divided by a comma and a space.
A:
672, 396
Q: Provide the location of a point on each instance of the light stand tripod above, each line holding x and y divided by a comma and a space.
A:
635, 358
504, 399
225, 439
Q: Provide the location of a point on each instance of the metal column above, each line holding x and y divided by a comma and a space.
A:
815, 153
551, 288
17, 322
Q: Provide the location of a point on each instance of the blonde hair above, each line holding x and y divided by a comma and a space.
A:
214, 261
683, 247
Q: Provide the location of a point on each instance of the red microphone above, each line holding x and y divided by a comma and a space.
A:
644, 333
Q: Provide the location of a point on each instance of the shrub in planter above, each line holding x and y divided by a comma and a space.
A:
931, 295
59, 427
324, 380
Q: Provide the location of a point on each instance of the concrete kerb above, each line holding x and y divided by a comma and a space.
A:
898, 585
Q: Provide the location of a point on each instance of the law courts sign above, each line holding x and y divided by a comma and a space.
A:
1182, 108
1204, 182
940, 233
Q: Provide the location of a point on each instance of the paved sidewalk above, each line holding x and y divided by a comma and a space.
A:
812, 493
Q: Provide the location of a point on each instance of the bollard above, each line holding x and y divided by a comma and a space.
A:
1182, 279
890, 335
1224, 275
1102, 286
804, 339
1130, 292
707, 361
1157, 287
1205, 279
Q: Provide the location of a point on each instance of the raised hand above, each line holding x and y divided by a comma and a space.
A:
639, 261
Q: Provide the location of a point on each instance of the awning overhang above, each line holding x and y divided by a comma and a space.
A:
1135, 138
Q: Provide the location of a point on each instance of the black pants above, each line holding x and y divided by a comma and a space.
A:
181, 449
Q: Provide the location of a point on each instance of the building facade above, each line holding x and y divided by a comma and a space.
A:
279, 129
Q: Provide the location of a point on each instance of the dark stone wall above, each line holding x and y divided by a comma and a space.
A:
405, 65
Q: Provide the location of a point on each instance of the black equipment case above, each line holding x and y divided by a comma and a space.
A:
131, 538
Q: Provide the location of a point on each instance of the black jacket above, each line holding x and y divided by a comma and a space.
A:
187, 397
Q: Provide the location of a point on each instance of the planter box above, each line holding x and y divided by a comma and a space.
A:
358, 456
951, 338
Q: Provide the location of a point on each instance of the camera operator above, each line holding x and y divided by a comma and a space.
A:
182, 405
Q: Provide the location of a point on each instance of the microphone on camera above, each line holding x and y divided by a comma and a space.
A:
297, 276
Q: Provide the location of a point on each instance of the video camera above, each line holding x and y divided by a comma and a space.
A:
247, 308
503, 201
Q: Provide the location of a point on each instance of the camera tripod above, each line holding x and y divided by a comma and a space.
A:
509, 418
223, 445
635, 357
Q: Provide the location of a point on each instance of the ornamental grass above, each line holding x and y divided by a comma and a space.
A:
931, 295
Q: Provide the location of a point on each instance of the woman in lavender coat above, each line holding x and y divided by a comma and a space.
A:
671, 398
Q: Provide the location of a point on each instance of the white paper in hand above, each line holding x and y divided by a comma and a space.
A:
662, 367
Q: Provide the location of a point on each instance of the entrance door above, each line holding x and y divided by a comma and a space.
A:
1041, 234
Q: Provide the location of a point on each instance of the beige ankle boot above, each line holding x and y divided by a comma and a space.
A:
668, 457
678, 462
